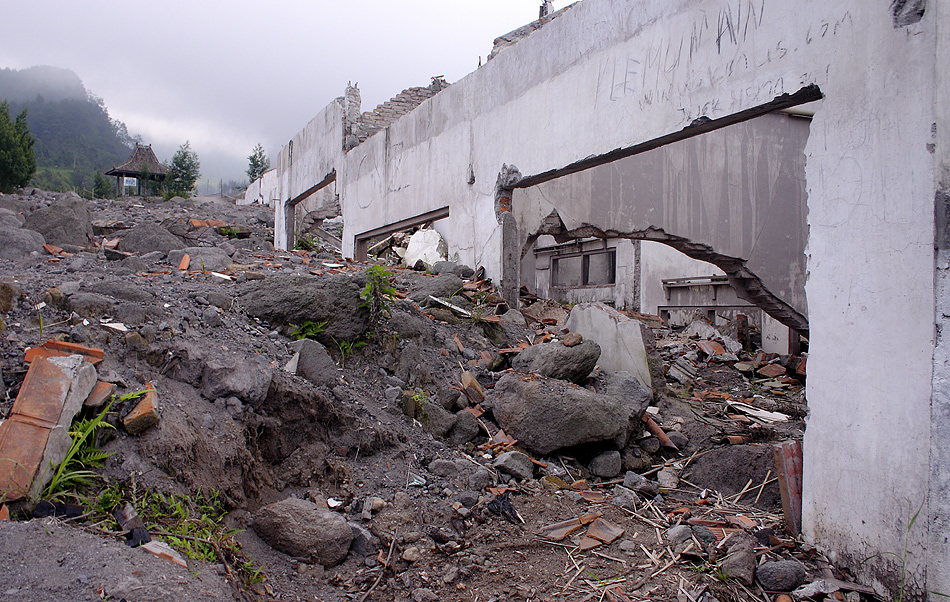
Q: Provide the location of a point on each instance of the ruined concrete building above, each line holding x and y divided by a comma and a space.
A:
801, 147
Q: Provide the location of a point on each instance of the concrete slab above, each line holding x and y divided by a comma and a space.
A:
620, 339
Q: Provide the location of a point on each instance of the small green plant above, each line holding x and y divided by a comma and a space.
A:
76, 469
722, 573
378, 295
228, 231
309, 330
347, 348
307, 242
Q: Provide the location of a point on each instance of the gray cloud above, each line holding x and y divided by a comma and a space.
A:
228, 74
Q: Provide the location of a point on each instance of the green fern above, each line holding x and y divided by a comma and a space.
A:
75, 471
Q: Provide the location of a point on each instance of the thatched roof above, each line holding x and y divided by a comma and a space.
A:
142, 161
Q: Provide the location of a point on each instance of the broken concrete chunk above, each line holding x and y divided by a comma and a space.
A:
426, 246
621, 339
145, 413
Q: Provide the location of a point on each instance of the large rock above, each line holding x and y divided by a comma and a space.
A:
147, 237
621, 339
19, 242
426, 246
557, 361
314, 362
546, 414
66, 221
629, 392
291, 299
303, 529
218, 373
443, 285
209, 259
91, 305
122, 289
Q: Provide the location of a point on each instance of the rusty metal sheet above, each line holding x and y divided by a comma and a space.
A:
43, 393
21, 451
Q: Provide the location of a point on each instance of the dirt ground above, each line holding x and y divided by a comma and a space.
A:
435, 536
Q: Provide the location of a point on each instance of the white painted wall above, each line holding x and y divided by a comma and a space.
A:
309, 157
658, 262
262, 191
614, 73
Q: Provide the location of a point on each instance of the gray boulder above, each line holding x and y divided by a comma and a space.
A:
148, 237
66, 221
209, 259
314, 362
443, 285
629, 392
557, 361
218, 373
19, 242
303, 529
437, 419
90, 305
293, 299
122, 289
466, 428
545, 414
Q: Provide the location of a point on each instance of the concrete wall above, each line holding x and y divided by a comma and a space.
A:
306, 160
262, 191
658, 262
613, 74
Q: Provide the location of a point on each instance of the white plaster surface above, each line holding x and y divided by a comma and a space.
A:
619, 337
613, 73
659, 261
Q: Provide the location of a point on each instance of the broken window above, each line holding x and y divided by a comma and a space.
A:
597, 268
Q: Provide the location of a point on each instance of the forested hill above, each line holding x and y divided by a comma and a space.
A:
74, 134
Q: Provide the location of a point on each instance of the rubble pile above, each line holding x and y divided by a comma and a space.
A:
447, 447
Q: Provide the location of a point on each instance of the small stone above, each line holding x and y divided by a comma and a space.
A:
650, 445
411, 554
704, 535
679, 439
667, 479
572, 339
780, 575
516, 464
606, 465
678, 534
443, 468
481, 478
424, 594
641, 484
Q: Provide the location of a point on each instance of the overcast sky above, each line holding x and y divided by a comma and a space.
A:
228, 74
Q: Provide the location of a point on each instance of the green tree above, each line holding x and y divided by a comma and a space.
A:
184, 171
102, 187
258, 163
17, 161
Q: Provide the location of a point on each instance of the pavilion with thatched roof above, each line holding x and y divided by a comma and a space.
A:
143, 164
